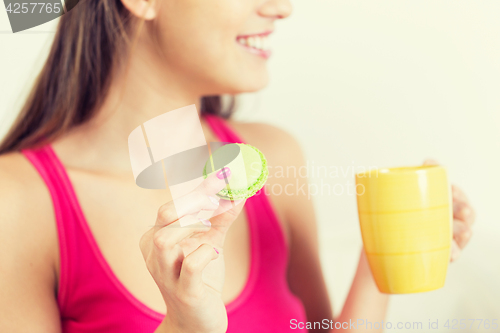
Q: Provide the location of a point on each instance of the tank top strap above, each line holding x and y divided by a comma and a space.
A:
54, 175
222, 130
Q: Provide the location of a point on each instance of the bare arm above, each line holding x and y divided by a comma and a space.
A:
27, 239
364, 303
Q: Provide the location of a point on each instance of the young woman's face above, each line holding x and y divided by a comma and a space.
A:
218, 46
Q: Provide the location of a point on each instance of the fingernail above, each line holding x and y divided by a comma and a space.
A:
206, 222
214, 200
216, 250
224, 173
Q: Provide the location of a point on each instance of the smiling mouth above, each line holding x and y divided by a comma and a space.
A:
257, 44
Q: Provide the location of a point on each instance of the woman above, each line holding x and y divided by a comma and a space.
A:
73, 217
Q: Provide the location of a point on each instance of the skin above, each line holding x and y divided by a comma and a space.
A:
185, 50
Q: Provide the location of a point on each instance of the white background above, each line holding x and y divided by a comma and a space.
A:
371, 83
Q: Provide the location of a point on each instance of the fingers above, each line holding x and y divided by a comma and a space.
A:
190, 203
165, 238
461, 233
227, 206
171, 262
162, 258
222, 222
167, 249
190, 220
455, 251
463, 218
462, 209
202, 198
193, 266
464, 212
458, 194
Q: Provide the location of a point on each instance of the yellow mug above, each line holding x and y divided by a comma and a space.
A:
406, 220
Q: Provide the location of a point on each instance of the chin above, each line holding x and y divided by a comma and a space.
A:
238, 82
250, 84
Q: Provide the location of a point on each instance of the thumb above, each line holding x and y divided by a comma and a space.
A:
430, 161
222, 222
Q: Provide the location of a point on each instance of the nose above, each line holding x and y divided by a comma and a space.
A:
278, 9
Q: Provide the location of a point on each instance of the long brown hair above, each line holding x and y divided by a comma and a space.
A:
76, 75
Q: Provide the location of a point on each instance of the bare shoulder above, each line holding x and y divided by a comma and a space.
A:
28, 249
25, 205
25, 202
28, 244
21, 188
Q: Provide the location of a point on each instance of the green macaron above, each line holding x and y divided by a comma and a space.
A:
247, 167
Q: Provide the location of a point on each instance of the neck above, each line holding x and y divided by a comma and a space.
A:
139, 91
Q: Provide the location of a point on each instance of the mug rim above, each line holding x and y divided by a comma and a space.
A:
401, 170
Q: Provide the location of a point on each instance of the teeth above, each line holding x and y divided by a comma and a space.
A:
256, 42
252, 42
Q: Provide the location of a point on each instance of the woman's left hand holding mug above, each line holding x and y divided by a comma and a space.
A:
464, 217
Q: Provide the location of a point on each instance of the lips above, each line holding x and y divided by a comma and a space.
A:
256, 43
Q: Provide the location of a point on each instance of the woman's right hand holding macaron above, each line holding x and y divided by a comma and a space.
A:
185, 257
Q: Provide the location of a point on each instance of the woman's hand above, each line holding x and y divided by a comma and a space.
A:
185, 257
463, 219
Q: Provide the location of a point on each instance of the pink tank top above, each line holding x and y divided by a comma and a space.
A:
92, 299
